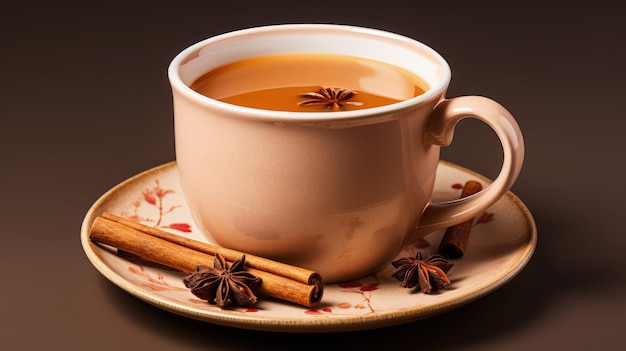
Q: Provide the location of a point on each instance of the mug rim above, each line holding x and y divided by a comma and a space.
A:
186, 54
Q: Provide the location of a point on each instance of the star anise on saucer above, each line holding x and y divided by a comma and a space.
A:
222, 285
425, 273
330, 97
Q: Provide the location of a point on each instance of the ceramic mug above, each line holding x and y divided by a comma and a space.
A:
336, 192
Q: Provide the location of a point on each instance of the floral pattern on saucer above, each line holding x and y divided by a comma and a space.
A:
154, 198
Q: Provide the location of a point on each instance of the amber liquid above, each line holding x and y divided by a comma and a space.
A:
279, 82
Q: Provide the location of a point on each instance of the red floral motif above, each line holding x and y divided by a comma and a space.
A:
183, 227
361, 288
369, 287
149, 197
321, 312
313, 312
155, 197
156, 284
355, 287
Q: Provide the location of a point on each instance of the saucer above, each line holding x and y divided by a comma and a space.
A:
502, 242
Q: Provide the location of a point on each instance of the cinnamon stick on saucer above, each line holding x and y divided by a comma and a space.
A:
279, 280
454, 241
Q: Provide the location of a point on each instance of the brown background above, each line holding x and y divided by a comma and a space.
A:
85, 104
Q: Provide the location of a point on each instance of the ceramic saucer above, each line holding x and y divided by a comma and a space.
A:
501, 244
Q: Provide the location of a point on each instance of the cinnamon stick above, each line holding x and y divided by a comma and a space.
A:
288, 271
455, 239
171, 250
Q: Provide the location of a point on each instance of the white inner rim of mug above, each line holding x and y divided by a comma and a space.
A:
310, 38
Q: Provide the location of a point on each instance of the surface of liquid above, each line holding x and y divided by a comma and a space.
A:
293, 82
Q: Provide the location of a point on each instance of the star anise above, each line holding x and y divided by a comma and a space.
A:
415, 271
330, 97
222, 285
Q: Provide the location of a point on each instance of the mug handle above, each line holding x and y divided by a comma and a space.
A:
443, 120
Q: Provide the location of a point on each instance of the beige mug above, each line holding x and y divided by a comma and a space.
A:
336, 192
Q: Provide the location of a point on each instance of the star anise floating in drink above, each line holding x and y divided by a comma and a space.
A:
330, 97
424, 273
222, 285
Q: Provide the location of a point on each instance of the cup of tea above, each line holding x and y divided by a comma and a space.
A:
317, 145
